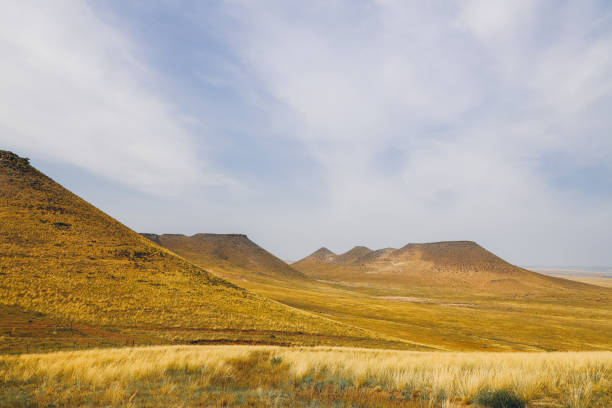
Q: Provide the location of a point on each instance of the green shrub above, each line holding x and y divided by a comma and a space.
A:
499, 399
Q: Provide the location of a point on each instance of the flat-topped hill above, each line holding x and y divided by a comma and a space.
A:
452, 264
62, 257
232, 255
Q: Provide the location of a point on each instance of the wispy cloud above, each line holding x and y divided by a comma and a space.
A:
472, 97
76, 89
374, 122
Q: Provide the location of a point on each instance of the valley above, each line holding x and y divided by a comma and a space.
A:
549, 314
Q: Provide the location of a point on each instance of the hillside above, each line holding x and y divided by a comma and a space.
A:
233, 256
63, 258
437, 314
71, 276
462, 265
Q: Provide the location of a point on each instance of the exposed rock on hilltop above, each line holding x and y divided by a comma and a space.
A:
9, 160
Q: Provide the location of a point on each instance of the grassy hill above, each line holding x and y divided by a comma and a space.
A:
428, 317
72, 276
67, 261
458, 265
228, 255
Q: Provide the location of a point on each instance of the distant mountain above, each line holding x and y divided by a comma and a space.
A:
454, 265
64, 258
230, 255
353, 255
323, 255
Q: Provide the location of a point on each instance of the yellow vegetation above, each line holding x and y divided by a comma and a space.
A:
82, 269
223, 253
274, 376
62, 257
459, 322
401, 294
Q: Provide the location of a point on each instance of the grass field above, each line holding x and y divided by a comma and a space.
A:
452, 321
72, 276
548, 314
76, 269
264, 376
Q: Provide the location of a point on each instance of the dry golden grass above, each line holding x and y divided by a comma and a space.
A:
191, 376
223, 253
62, 257
451, 321
443, 318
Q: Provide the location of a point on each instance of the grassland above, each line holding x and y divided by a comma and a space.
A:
264, 376
72, 266
71, 277
446, 318
452, 321
227, 253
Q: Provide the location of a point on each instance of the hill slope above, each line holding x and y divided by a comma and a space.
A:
62, 257
447, 265
227, 255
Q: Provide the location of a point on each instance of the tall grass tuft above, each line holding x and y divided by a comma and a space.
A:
288, 377
499, 399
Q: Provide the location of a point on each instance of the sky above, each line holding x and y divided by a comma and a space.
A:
324, 123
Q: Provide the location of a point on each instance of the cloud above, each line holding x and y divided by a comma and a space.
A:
75, 89
471, 97
373, 122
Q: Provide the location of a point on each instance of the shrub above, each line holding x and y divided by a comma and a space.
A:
62, 225
499, 399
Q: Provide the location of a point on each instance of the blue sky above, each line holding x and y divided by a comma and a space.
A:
332, 123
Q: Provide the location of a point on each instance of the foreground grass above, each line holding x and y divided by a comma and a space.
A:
224, 376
